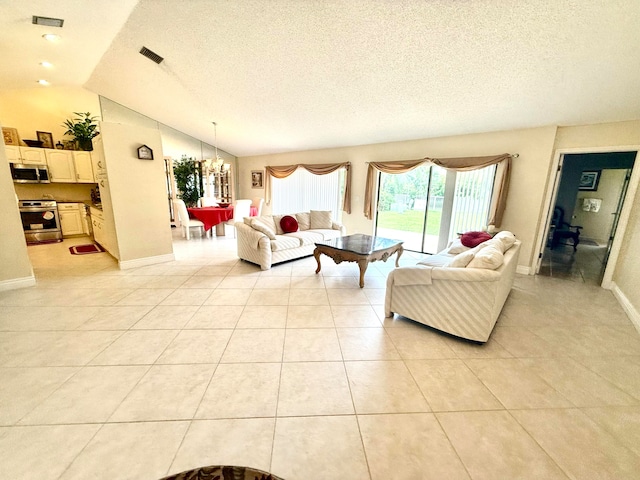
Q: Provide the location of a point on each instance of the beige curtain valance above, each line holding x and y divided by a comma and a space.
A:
463, 164
316, 169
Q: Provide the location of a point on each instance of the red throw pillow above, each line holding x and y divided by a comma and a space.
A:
473, 239
289, 224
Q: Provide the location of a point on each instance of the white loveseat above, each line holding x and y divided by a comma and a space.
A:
262, 241
463, 300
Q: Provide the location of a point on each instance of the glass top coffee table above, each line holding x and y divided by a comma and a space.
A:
359, 248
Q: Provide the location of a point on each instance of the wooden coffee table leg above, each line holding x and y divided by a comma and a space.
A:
363, 264
316, 255
400, 250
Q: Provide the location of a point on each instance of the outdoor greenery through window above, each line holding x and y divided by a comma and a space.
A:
303, 191
429, 205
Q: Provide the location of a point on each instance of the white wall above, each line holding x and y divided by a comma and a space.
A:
597, 225
44, 109
15, 266
528, 181
138, 192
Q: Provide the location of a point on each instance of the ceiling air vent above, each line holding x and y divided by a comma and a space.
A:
47, 21
151, 55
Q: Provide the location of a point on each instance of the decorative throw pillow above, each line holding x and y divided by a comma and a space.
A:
506, 238
462, 259
304, 220
457, 247
277, 219
473, 239
289, 224
489, 257
264, 228
320, 219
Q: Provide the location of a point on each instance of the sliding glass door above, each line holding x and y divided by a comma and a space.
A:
428, 206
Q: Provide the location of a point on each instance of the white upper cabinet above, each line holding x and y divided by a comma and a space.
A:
61, 167
66, 166
25, 155
84, 169
13, 154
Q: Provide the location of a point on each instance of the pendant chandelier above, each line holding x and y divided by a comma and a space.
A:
216, 164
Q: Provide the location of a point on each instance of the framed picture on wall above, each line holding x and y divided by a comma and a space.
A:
589, 180
257, 179
10, 136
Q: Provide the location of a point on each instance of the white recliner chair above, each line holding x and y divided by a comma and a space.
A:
187, 223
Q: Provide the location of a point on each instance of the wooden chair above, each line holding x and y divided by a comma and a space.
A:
562, 231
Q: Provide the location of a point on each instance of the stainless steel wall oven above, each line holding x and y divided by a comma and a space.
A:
40, 221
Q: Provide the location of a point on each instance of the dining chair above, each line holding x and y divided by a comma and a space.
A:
241, 209
258, 202
208, 202
187, 223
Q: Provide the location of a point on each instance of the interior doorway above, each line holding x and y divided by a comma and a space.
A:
590, 191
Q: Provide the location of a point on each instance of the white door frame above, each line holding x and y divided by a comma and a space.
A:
545, 220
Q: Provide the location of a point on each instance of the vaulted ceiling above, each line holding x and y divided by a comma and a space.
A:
288, 75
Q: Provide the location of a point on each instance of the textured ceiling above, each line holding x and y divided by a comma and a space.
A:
287, 75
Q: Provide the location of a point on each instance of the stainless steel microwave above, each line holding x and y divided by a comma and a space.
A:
29, 173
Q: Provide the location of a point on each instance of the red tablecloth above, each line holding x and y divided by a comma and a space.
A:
212, 216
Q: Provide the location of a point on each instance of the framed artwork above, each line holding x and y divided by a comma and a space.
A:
145, 153
589, 180
46, 138
257, 179
10, 136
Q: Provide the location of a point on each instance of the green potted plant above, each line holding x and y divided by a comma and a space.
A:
82, 128
188, 176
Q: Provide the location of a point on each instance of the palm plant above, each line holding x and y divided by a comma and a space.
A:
82, 128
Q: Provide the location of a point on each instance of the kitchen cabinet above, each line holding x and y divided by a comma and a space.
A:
13, 154
67, 166
26, 155
84, 169
61, 168
71, 218
103, 231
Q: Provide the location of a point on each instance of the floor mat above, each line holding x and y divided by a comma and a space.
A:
86, 249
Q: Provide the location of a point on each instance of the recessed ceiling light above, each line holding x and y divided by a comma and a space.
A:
43, 82
52, 37
47, 21
46, 64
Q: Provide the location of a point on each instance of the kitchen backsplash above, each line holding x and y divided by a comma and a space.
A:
73, 192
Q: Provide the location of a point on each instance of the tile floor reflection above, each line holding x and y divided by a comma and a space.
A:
140, 373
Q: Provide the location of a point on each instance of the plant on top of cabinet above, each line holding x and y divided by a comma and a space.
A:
82, 128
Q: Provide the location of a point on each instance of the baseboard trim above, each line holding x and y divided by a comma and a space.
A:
15, 283
143, 262
522, 270
626, 305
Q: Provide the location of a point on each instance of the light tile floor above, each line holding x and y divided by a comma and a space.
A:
110, 374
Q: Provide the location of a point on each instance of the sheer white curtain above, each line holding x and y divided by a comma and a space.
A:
303, 191
472, 200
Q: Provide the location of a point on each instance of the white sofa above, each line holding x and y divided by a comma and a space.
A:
262, 241
464, 301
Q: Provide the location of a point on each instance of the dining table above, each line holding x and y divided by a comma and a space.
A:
215, 216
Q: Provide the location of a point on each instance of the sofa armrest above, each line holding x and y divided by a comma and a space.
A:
248, 234
338, 226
